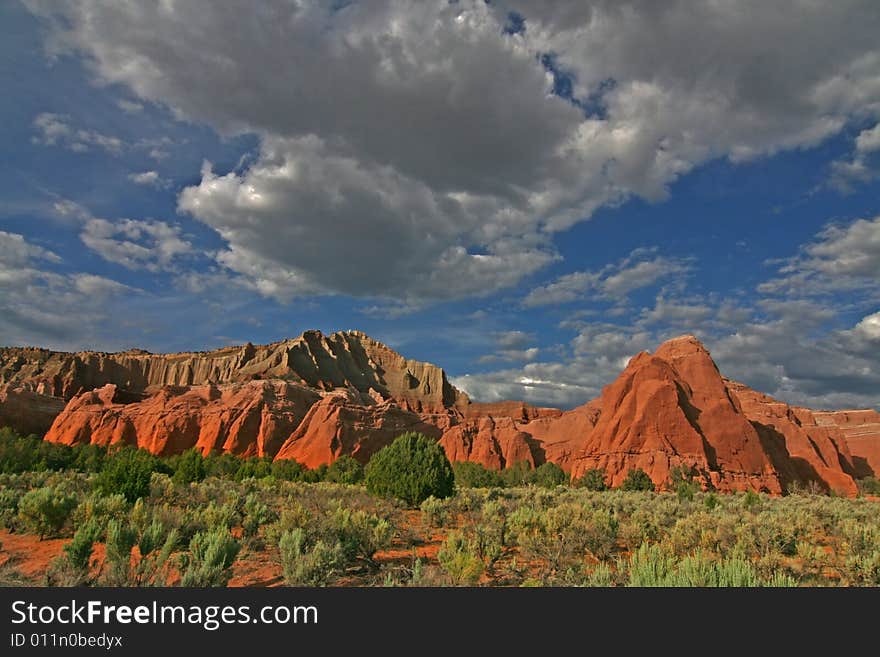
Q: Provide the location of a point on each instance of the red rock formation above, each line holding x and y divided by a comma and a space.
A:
861, 432
248, 419
801, 448
672, 410
323, 397
341, 423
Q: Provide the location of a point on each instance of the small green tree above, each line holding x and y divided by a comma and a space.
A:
345, 470
128, 472
190, 467
412, 468
475, 475
45, 510
549, 475
637, 479
592, 479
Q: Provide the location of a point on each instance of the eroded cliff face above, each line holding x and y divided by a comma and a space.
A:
861, 433
246, 419
318, 397
341, 360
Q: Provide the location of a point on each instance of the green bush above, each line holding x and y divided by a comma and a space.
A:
460, 561
869, 486
210, 558
73, 566
637, 479
549, 475
345, 470
287, 470
517, 474
592, 479
44, 511
474, 475
128, 472
190, 467
304, 566
412, 468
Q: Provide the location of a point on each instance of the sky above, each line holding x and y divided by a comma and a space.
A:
526, 194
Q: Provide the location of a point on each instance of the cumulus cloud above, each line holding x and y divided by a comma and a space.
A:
55, 130
37, 304
841, 257
431, 126
149, 178
512, 346
638, 270
150, 245
859, 168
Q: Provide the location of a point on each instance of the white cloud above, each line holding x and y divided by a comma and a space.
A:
55, 130
44, 307
130, 106
841, 257
638, 270
135, 244
858, 168
425, 125
151, 178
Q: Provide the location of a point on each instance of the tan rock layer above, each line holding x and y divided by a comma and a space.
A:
341, 360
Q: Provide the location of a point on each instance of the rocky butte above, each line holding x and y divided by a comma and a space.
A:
316, 397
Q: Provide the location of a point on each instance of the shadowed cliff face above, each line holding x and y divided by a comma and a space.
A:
316, 398
341, 360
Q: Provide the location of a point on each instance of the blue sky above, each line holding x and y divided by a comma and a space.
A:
526, 208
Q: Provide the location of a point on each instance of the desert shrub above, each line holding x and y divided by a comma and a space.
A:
869, 486
304, 566
190, 467
256, 468
460, 561
72, 567
637, 479
128, 472
711, 501
601, 576
255, 514
475, 475
9, 498
315, 475
434, 512
210, 558
549, 475
101, 509
222, 466
359, 533
517, 474
161, 486
120, 540
751, 500
89, 458
293, 517
44, 511
412, 468
287, 470
654, 565
345, 470
593, 479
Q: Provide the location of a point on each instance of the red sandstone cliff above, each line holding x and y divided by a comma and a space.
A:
318, 397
